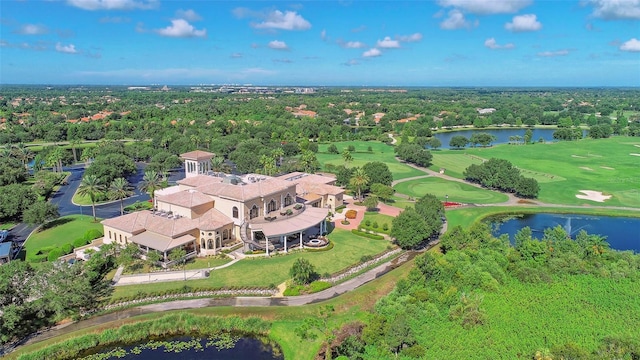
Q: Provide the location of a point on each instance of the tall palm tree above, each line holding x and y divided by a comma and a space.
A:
120, 189
151, 182
358, 181
23, 153
347, 157
91, 186
217, 164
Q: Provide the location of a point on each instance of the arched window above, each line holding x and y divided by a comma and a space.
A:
288, 200
253, 213
202, 245
235, 212
225, 234
271, 206
209, 244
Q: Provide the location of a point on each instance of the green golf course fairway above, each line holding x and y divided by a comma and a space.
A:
456, 191
564, 168
380, 152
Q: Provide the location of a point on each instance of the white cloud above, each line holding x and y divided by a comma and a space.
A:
455, 21
485, 7
181, 28
522, 23
410, 38
353, 45
352, 62
114, 4
289, 20
615, 9
553, 53
32, 29
492, 44
278, 45
631, 45
387, 43
188, 15
374, 52
67, 49
323, 34
236, 55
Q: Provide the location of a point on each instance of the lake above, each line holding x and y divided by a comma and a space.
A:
502, 135
189, 348
621, 233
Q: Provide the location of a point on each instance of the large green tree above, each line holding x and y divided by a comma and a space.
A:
40, 212
303, 272
378, 173
409, 229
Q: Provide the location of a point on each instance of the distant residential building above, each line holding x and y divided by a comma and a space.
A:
486, 111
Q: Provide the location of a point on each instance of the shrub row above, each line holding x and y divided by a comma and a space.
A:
186, 289
367, 235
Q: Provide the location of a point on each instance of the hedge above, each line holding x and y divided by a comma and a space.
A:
80, 242
92, 234
367, 235
54, 254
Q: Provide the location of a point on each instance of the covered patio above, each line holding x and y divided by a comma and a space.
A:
289, 232
149, 241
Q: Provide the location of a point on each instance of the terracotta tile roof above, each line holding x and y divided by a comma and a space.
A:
132, 223
160, 242
188, 198
247, 191
298, 177
197, 155
199, 180
213, 219
314, 188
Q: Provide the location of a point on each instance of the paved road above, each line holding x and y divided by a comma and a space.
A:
63, 198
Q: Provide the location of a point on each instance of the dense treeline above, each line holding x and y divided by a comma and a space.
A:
500, 174
32, 298
483, 298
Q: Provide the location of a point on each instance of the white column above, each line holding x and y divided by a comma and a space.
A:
284, 238
300, 239
267, 247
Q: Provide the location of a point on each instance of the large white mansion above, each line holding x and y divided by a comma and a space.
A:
206, 211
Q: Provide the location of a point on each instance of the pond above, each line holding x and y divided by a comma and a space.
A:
185, 347
621, 233
502, 135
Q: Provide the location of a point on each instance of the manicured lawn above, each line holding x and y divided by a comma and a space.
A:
457, 192
565, 168
400, 202
59, 232
381, 219
262, 271
380, 152
207, 262
84, 200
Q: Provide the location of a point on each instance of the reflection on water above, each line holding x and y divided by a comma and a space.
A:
620, 232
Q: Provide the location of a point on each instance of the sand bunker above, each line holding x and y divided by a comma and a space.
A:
586, 168
578, 156
606, 167
632, 154
593, 196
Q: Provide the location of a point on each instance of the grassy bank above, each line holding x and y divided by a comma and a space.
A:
465, 217
354, 305
379, 152
59, 232
263, 272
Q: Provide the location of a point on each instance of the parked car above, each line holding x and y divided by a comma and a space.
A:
3, 235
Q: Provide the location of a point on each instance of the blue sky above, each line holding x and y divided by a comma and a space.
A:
371, 43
